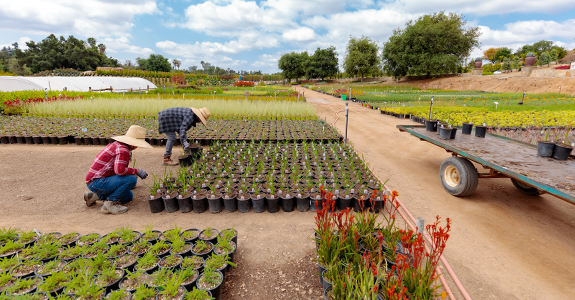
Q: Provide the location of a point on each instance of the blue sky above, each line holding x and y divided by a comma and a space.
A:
252, 35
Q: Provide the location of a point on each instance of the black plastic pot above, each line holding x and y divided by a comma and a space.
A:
185, 204
200, 204
45, 139
243, 205
357, 207
171, 204
216, 292
445, 133
203, 256
315, 204
62, 140
466, 129
273, 204
231, 204
345, 203
561, 152
320, 270
259, 204
303, 203
325, 284
288, 203
545, 149
116, 285
29, 140
215, 205
156, 204
480, 131
377, 206
186, 161
20, 140
190, 286
431, 125
453, 132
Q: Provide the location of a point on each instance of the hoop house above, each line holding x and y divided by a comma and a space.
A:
80, 84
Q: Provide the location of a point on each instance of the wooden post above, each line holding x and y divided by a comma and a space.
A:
89, 88
420, 225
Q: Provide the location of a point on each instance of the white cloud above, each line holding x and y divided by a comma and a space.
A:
122, 44
302, 34
528, 31
482, 8
269, 61
89, 18
21, 43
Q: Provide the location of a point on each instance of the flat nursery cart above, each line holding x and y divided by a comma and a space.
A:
504, 158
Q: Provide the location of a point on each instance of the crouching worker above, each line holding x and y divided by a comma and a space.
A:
180, 120
110, 179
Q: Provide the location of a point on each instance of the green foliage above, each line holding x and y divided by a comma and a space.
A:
434, 44
544, 58
147, 261
361, 58
53, 282
197, 294
506, 64
155, 62
52, 53
8, 234
117, 295
322, 64
144, 292
293, 65
502, 53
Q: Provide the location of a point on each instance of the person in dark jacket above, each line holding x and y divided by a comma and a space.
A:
179, 120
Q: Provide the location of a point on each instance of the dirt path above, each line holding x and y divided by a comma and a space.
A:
42, 186
504, 244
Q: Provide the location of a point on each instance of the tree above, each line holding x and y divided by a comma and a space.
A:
192, 68
323, 63
502, 53
434, 44
361, 58
293, 65
489, 54
155, 62
52, 53
176, 63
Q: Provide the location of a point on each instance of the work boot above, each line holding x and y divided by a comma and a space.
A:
112, 207
168, 161
90, 198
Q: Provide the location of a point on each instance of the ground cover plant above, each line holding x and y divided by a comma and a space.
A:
107, 272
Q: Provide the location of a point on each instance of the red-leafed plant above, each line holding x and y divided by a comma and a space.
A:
244, 83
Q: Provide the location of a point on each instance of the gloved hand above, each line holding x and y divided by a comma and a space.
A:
186, 146
142, 174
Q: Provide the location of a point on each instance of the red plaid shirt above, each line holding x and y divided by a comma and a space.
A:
113, 160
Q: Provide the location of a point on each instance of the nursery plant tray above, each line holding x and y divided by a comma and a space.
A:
505, 157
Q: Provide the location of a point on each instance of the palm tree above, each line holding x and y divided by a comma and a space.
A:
176, 63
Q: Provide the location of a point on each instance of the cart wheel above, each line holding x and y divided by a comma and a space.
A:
526, 189
458, 176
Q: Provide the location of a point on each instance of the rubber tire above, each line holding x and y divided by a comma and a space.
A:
525, 189
468, 177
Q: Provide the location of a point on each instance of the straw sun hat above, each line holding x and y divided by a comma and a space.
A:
135, 136
202, 113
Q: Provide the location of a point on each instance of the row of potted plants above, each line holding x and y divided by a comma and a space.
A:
123, 264
36, 130
240, 175
362, 258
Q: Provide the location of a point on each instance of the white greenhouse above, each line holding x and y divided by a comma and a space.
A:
79, 84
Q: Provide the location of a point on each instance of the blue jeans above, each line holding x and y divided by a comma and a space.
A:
170, 142
114, 188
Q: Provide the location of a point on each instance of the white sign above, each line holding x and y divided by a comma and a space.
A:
573, 66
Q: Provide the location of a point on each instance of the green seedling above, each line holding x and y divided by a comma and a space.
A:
148, 261
126, 234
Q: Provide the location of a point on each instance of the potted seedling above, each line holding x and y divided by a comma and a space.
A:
6, 280
225, 247
119, 295
148, 262
98, 263
211, 280
209, 234
69, 239
158, 278
544, 147
92, 251
50, 267
10, 248
109, 278
197, 294
110, 238
133, 280
28, 238
88, 239
188, 277
181, 248
24, 286
172, 289
202, 248
151, 235
139, 248
160, 249
171, 261
155, 198
218, 262
78, 281
116, 251
144, 293
8, 234
171, 234
190, 235
194, 262
127, 235
90, 292
126, 262
54, 284
26, 268
230, 234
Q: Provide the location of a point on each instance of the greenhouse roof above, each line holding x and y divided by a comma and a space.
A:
80, 84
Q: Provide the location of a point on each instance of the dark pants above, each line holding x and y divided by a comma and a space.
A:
114, 188
170, 143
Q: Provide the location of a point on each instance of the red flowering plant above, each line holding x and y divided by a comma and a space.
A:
244, 83
329, 243
366, 221
368, 278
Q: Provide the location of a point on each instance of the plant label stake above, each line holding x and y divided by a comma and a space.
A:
46, 93
559, 89
420, 225
431, 107
521, 103
346, 112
